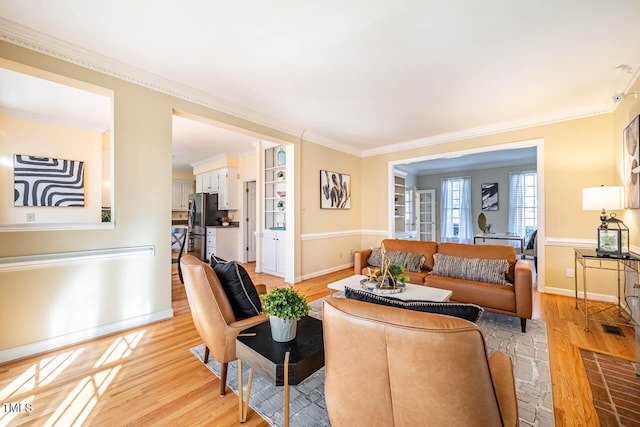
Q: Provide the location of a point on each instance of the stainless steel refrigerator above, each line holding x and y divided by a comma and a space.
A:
203, 212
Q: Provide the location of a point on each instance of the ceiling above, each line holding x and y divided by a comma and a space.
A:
476, 161
366, 76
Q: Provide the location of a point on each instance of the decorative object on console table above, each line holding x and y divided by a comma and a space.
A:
631, 153
613, 234
335, 190
284, 306
482, 222
387, 279
490, 196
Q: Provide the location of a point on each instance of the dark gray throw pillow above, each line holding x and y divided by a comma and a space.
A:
411, 261
469, 312
239, 288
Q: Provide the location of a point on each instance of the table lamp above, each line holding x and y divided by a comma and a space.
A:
613, 234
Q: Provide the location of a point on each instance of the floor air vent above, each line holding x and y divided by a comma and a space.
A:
613, 330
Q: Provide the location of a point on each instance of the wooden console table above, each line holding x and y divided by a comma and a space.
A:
589, 259
500, 236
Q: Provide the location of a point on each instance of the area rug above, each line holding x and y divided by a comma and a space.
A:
308, 408
615, 388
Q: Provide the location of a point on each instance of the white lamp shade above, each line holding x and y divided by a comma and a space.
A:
598, 198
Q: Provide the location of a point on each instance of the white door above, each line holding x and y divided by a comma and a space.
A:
426, 207
250, 220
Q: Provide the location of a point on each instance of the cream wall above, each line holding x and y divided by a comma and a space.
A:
30, 137
57, 305
577, 154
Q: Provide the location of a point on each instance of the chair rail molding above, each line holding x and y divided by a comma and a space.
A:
345, 233
28, 262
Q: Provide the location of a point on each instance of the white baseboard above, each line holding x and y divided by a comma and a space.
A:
80, 336
572, 293
325, 271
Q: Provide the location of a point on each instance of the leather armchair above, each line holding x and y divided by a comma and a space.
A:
212, 314
393, 367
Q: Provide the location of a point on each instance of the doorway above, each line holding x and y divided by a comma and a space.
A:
250, 221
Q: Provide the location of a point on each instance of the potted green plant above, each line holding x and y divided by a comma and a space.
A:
284, 306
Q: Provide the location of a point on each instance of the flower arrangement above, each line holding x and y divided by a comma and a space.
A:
285, 303
389, 275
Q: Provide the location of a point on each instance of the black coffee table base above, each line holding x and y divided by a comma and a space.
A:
285, 364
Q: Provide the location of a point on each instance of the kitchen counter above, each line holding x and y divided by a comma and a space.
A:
224, 242
231, 225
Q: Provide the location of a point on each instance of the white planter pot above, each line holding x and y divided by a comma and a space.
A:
283, 330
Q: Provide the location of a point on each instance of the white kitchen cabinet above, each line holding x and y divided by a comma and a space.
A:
180, 194
228, 189
273, 252
223, 242
207, 182
225, 182
211, 242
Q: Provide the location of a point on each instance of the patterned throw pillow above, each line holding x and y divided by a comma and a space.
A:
470, 312
239, 288
477, 269
411, 261
375, 259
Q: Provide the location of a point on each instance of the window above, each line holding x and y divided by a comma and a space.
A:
455, 210
523, 203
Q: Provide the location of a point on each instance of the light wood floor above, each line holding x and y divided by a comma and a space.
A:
148, 376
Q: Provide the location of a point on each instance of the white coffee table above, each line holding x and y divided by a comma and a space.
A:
412, 292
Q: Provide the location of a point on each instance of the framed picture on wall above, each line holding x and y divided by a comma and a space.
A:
45, 181
335, 190
631, 154
490, 196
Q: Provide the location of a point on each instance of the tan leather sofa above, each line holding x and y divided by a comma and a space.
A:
515, 300
406, 368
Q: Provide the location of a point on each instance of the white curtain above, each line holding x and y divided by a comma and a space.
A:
450, 206
516, 204
466, 227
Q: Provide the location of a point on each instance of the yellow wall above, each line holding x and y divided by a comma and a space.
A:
36, 138
577, 154
328, 236
55, 301
627, 110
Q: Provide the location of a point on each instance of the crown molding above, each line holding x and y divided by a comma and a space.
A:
22, 36
490, 130
34, 40
316, 138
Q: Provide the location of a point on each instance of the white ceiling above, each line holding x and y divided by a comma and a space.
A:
195, 141
365, 75
38, 99
476, 161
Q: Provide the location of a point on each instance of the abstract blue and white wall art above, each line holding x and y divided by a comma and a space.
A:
335, 190
44, 181
490, 197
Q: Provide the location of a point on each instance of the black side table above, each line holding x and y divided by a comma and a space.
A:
285, 364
